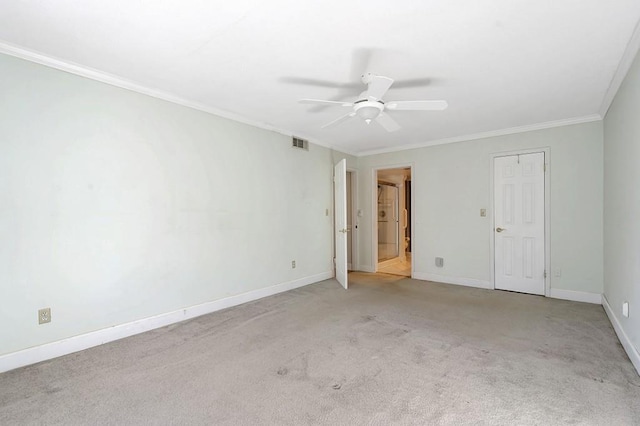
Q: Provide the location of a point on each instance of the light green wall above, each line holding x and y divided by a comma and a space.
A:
451, 183
622, 204
115, 206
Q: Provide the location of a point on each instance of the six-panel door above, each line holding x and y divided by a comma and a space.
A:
519, 223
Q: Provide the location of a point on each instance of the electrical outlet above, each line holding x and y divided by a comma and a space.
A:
44, 315
293, 264
326, 212
439, 262
557, 273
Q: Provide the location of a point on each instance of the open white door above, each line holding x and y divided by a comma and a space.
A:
340, 203
519, 220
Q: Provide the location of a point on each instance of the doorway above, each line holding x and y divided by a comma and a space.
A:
352, 220
520, 225
392, 209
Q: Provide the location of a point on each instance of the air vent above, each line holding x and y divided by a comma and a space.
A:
300, 143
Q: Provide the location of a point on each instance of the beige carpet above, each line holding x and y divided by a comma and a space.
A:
386, 351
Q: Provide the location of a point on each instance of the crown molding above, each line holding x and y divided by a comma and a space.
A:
114, 80
490, 134
626, 61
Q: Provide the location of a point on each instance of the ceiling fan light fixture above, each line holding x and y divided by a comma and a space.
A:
368, 110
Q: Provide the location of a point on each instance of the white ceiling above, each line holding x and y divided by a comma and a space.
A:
500, 64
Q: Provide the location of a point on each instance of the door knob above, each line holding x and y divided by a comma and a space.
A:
344, 231
500, 229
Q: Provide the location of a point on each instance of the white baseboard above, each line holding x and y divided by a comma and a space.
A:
84, 341
576, 296
631, 350
469, 282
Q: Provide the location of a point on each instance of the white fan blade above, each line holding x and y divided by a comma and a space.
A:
323, 102
339, 119
388, 123
416, 105
378, 86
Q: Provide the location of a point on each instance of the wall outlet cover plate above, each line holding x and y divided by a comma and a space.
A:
44, 315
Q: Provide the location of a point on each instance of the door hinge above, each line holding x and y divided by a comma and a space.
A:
545, 274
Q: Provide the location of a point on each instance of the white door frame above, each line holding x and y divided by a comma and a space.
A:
547, 234
354, 219
374, 213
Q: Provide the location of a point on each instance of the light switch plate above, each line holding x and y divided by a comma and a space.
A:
483, 212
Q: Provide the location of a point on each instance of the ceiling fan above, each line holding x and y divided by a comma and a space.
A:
370, 105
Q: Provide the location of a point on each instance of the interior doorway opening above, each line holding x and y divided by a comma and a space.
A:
352, 221
393, 228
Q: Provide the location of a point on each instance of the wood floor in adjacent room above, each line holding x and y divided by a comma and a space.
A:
390, 350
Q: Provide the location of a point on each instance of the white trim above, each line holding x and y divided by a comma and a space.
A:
469, 282
576, 296
48, 351
631, 350
624, 65
374, 219
123, 83
547, 212
490, 134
